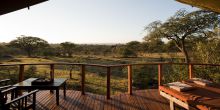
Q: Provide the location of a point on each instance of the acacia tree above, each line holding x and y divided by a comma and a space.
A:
29, 44
67, 48
184, 25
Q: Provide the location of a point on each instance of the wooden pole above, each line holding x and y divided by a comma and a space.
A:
83, 79
21, 73
52, 72
108, 82
130, 79
160, 74
190, 71
71, 69
21, 77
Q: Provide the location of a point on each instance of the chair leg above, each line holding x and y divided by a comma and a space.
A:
34, 101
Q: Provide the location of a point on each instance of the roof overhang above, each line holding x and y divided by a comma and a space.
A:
213, 5
7, 6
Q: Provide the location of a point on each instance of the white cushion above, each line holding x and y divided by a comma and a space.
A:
201, 82
179, 86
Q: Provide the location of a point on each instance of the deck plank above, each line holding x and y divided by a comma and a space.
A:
140, 100
76, 103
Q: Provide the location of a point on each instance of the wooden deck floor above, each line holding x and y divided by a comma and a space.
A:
140, 100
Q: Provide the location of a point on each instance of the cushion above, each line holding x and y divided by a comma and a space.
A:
202, 82
179, 86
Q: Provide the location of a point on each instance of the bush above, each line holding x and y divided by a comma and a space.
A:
31, 72
144, 77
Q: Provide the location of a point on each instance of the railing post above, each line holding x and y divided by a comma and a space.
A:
130, 79
21, 73
83, 79
71, 69
108, 82
52, 72
160, 74
21, 77
190, 71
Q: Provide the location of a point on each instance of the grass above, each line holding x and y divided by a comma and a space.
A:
95, 76
95, 82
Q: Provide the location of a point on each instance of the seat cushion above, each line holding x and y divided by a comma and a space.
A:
179, 86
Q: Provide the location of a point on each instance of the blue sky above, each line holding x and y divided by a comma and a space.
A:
87, 21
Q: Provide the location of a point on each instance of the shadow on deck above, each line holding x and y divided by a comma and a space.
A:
140, 100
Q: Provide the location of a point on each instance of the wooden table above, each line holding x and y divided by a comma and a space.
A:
56, 85
200, 97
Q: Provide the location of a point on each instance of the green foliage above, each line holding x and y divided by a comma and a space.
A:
207, 51
184, 25
94, 49
144, 77
134, 46
173, 73
9, 72
154, 44
49, 51
126, 52
67, 48
6, 51
171, 46
29, 44
211, 73
30, 72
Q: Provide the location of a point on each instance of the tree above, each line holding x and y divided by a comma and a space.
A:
143, 80
207, 51
49, 51
67, 48
154, 44
170, 47
123, 51
134, 46
29, 44
126, 52
184, 25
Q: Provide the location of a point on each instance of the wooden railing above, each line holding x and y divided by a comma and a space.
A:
108, 71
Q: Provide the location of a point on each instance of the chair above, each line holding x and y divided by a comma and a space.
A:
4, 81
9, 98
4, 84
24, 102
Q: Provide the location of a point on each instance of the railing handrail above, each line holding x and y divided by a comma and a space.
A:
107, 65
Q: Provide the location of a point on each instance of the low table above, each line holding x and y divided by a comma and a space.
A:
200, 97
56, 85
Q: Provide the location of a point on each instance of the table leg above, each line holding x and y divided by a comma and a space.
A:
64, 90
57, 96
172, 105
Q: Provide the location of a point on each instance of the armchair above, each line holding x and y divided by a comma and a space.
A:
9, 98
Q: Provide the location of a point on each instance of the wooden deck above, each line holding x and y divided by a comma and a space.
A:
140, 100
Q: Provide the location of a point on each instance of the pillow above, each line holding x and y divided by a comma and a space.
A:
179, 86
202, 82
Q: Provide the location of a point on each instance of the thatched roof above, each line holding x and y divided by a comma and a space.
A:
7, 6
213, 5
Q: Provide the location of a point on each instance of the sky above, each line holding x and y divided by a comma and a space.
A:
87, 21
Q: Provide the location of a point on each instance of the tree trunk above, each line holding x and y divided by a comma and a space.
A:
181, 46
184, 51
